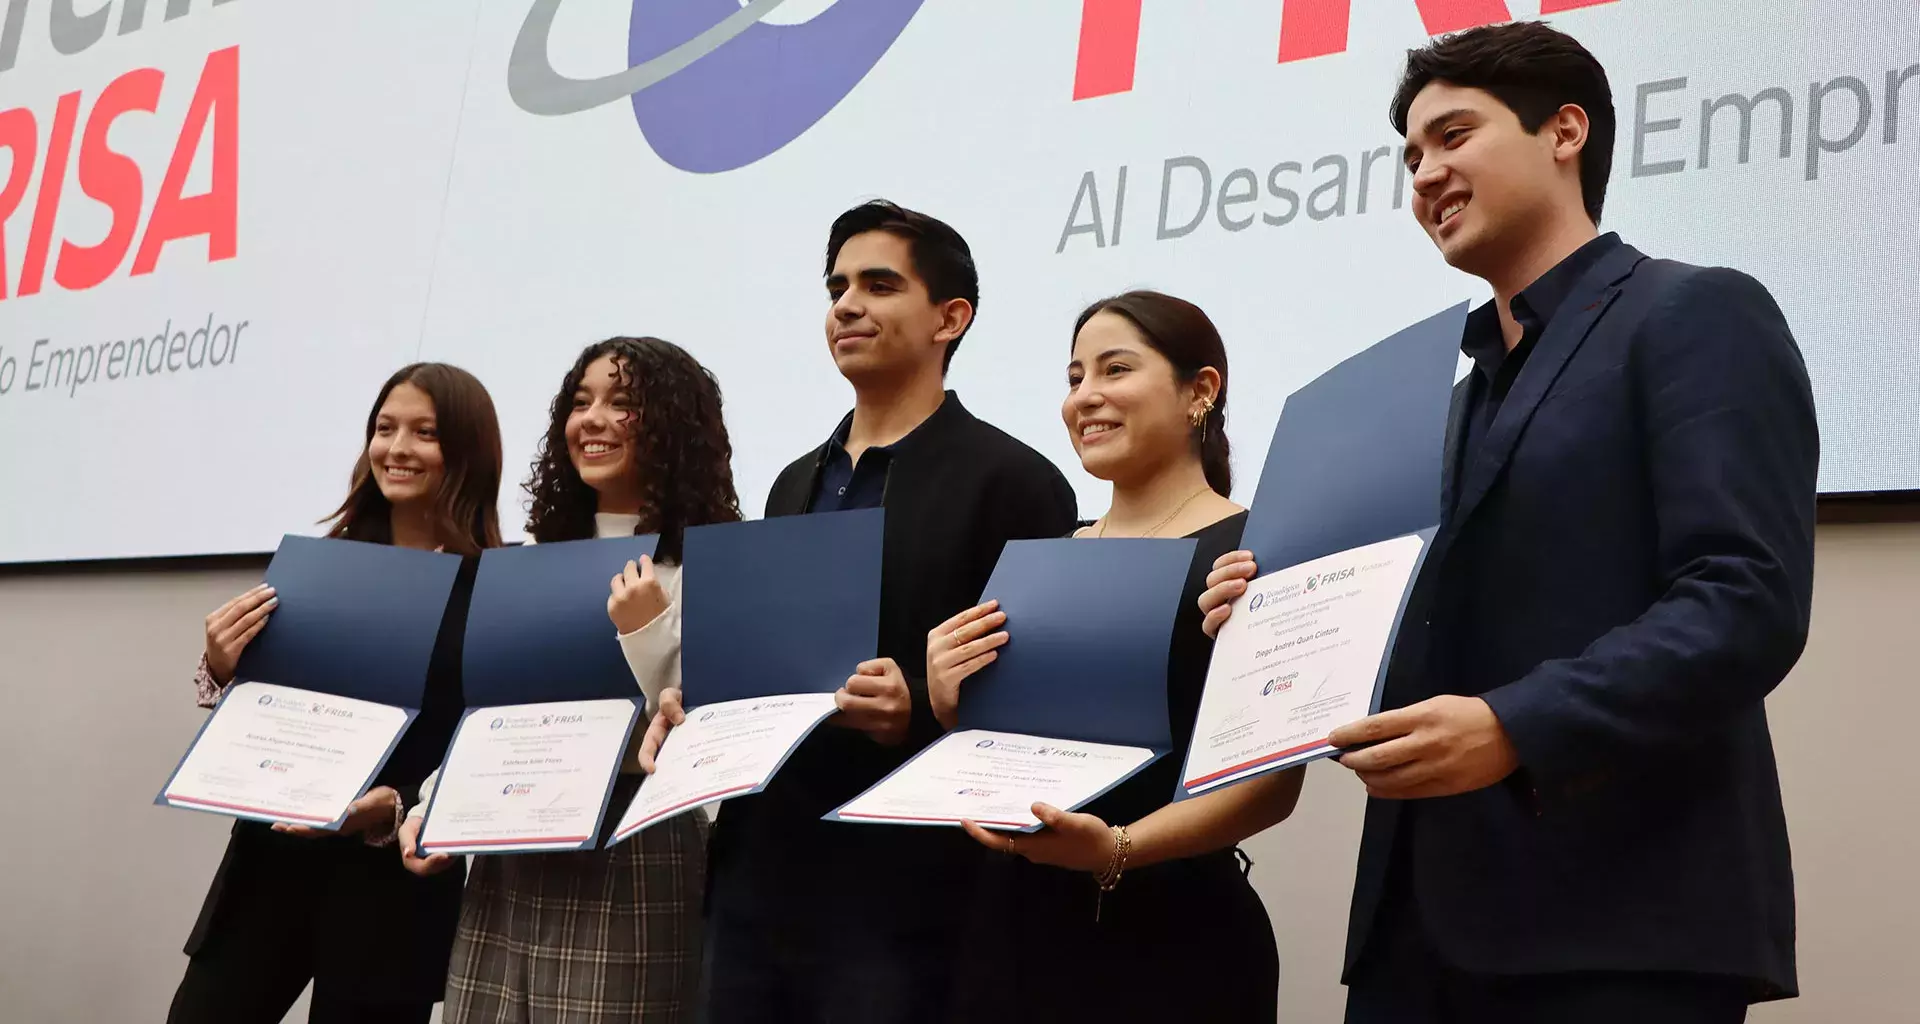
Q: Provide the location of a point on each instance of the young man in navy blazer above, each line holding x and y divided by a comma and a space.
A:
1574, 811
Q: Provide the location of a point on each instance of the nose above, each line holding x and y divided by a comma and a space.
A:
1086, 396
401, 445
848, 308
1427, 181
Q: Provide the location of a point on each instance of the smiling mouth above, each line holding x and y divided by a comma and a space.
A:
1446, 213
1089, 431
598, 449
401, 475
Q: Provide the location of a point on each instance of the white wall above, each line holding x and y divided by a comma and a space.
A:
99, 887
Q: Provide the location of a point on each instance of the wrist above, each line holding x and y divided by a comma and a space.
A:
1121, 845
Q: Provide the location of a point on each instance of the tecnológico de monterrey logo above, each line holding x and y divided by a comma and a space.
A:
713, 87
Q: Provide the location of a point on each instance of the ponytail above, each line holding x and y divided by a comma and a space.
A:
1216, 452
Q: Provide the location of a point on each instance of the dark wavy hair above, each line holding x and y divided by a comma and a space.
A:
1185, 335
1535, 70
466, 514
681, 452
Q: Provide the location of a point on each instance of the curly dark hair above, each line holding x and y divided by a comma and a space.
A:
683, 456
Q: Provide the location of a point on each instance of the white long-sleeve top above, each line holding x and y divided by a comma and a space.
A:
652, 651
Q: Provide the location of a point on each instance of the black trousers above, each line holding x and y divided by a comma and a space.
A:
820, 968
255, 978
1403, 979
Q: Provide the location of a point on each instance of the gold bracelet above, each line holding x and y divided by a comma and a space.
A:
1116, 866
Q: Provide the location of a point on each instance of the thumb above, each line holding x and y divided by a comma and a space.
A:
1049, 815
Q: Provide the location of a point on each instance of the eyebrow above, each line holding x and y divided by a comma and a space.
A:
869, 275
1108, 354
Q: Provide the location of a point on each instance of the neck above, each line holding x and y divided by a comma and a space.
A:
1138, 505
1571, 230
617, 504
883, 415
412, 527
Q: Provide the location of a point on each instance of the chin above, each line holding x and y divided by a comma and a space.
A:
401, 495
1099, 464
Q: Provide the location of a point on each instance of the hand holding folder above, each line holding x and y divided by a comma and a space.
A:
319, 700
1070, 704
1348, 502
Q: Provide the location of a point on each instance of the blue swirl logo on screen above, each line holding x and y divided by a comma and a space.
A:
713, 87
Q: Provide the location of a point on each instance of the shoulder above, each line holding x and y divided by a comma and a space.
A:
790, 486
1219, 538
1674, 288
1005, 454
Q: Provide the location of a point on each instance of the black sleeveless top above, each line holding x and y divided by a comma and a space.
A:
1032, 949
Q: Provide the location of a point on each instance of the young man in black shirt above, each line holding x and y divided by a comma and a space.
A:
812, 920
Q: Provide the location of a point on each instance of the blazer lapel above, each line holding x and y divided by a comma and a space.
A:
1576, 318
1450, 450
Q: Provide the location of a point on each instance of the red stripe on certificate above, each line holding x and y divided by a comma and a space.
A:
681, 806
270, 812
1255, 763
933, 817
464, 843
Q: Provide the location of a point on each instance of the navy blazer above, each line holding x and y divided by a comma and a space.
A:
1623, 574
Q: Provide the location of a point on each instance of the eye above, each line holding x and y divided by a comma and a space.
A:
1074, 378
1451, 136
383, 429
428, 433
1116, 369
835, 293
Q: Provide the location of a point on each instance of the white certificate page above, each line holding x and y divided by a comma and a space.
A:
993, 779
527, 777
277, 753
722, 751
1298, 658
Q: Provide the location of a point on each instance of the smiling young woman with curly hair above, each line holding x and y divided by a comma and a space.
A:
635, 444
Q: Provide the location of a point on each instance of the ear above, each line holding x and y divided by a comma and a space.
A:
1568, 128
1206, 386
956, 315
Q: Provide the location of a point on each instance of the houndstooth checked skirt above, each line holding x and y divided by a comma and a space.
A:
590, 937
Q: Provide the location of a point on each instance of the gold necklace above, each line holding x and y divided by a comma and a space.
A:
1177, 509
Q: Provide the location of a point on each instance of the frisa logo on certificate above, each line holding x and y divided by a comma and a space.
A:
278, 753
1302, 654
724, 750
536, 777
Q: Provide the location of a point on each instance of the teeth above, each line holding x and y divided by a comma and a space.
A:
596, 448
1447, 213
1096, 428
396, 473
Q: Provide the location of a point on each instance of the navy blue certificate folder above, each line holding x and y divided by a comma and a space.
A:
1357, 454
355, 619
1089, 624
779, 606
537, 630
